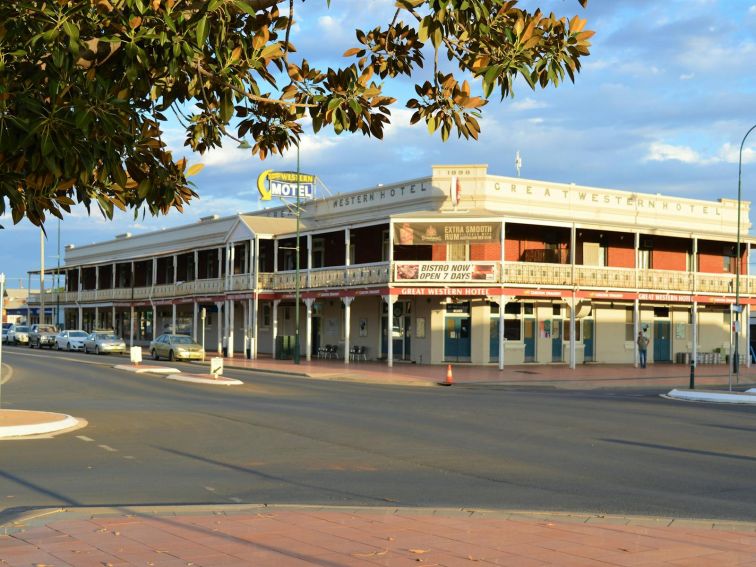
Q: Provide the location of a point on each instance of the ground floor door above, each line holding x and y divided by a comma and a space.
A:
493, 348
662, 341
588, 340
315, 336
529, 338
556, 340
457, 339
400, 335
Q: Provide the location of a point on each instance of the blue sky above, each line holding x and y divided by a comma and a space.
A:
660, 106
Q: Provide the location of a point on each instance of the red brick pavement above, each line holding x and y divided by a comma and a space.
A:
557, 375
333, 537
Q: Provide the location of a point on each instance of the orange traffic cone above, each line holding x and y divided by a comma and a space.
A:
449, 377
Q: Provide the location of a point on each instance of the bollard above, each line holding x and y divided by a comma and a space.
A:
692, 373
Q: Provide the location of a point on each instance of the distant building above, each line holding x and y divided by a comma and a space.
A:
458, 266
14, 305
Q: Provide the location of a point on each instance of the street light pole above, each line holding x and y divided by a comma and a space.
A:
2, 293
736, 356
296, 281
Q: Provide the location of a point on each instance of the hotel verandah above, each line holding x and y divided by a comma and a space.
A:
516, 271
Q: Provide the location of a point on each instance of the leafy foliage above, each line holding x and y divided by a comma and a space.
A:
86, 85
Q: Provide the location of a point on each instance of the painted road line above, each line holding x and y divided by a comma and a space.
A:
62, 357
85, 438
108, 448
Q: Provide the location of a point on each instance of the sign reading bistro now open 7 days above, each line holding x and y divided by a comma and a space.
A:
284, 184
446, 232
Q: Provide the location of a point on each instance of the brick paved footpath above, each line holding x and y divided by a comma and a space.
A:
333, 537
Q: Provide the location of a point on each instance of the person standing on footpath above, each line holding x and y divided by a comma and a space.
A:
642, 348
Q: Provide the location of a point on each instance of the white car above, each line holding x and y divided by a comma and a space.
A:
18, 334
70, 340
6, 330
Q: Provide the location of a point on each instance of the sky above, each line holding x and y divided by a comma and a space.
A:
661, 106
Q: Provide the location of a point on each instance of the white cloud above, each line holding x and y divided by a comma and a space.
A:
727, 153
730, 153
687, 76
659, 151
527, 104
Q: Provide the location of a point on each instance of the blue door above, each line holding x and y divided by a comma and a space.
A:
401, 336
493, 348
457, 339
662, 342
556, 340
588, 340
529, 338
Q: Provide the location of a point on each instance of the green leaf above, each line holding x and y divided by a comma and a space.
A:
202, 31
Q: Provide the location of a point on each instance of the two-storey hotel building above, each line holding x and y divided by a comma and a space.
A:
458, 266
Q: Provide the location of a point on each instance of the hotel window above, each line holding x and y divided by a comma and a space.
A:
318, 253
385, 246
289, 259
457, 252
566, 331
629, 324
265, 315
512, 320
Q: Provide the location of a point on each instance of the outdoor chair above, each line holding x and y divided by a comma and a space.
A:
361, 352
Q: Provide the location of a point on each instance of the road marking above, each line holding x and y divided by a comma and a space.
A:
235, 499
58, 357
210, 488
85, 438
108, 448
128, 457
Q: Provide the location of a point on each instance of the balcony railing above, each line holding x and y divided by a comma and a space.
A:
429, 273
537, 274
588, 276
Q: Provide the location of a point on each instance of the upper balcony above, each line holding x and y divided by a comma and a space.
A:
411, 273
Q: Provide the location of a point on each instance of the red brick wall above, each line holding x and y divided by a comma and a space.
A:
670, 253
621, 257
621, 250
711, 257
489, 251
439, 253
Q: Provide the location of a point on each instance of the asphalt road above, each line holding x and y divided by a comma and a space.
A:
292, 440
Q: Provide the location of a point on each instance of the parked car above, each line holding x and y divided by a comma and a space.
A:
104, 342
6, 329
42, 336
176, 347
18, 334
70, 340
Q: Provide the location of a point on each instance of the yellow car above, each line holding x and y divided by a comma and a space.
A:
176, 347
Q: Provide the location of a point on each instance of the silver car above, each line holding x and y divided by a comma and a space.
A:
104, 342
18, 335
70, 340
176, 347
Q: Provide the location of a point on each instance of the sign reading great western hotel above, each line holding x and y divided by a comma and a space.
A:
284, 184
446, 232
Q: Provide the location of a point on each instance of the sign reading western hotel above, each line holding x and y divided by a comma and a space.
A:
446, 232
